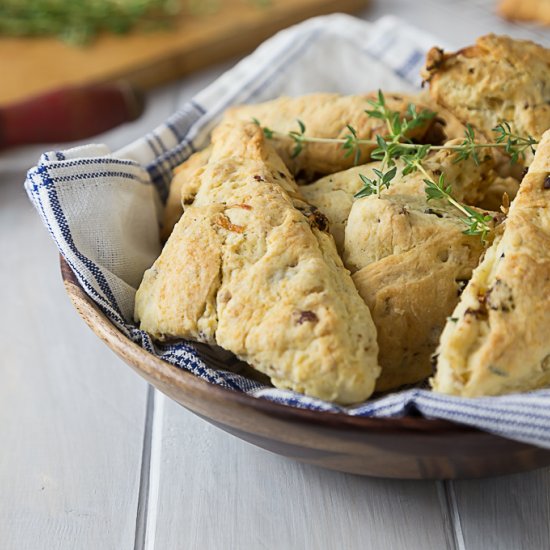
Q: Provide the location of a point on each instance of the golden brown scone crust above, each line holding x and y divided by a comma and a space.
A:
526, 10
497, 79
183, 188
325, 116
499, 341
395, 224
409, 260
333, 194
249, 267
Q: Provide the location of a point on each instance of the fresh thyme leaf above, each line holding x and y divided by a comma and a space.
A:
351, 145
375, 114
268, 132
433, 191
369, 187
388, 176
412, 160
514, 144
382, 143
375, 186
299, 139
297, 149
414, 119
477, 223
469, 147
352, 130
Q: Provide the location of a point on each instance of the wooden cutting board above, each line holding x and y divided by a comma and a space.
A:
31, 66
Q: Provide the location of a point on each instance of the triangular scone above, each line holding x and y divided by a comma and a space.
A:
250, 267
409, 259
498, 338
334, 194
497, 79
325, 116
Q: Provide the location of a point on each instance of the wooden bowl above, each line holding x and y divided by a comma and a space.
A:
412, 448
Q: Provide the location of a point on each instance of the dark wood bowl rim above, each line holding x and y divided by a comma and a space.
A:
182, 379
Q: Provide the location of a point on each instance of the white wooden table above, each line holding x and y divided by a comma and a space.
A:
91, 458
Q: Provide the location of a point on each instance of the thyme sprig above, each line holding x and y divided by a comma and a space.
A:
375, 186
399, 128
477, 223
514, 144
396, 144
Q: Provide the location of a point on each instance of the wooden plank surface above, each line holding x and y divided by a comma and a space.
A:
217, 492
505, 513
36, 65
72, 416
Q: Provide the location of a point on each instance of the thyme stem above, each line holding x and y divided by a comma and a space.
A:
448, 196
411, 146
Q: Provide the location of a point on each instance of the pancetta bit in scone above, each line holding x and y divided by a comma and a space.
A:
325, 116
409, 259
498, 338
497, 79
334, 194
250, 267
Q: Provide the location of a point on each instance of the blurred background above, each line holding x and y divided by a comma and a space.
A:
73, 70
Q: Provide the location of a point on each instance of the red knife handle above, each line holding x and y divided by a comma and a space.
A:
69, 114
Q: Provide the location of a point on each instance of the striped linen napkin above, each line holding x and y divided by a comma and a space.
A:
102, 208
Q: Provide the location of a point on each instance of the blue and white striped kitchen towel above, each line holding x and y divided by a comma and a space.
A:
101, 208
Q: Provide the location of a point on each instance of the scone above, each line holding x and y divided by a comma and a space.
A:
250, 267
324, 116
410, 259
497, 79
537, 11
183, 188
497, 340
334, 194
